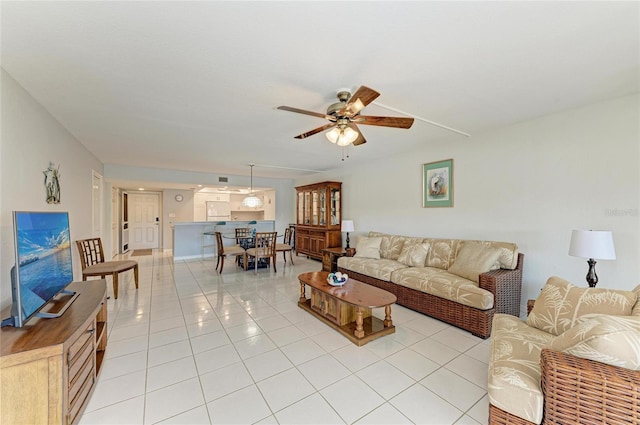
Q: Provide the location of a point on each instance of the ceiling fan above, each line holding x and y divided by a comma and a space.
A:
345, 115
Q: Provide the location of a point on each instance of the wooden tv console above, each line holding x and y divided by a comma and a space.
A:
49, 368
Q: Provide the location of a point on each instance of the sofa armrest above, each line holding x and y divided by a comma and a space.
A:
578, 390
506, 287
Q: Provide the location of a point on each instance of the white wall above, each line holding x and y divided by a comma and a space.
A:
181, 211
31, 137
530, 183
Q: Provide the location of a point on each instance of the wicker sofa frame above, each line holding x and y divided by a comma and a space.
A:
505, 285
581, 391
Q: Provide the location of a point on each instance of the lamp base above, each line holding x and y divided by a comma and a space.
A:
347, 247
592, 277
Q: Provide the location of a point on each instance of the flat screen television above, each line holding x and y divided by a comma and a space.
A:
43, 266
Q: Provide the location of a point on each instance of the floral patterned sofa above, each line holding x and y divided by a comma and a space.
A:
576, 359
461, 282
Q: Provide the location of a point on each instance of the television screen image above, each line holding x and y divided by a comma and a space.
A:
43, 259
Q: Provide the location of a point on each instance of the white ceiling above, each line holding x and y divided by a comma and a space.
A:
194, 85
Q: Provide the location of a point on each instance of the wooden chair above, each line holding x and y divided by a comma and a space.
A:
242, 233
286, 245
265, 247
223, 251
93, 264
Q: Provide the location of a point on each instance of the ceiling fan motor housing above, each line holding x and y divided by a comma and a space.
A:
343, 96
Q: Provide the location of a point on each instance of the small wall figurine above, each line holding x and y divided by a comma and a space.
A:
51, 183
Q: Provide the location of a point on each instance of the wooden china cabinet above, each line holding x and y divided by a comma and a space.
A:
318, 215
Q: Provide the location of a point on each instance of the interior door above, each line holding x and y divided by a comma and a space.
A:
144, 220
114, 222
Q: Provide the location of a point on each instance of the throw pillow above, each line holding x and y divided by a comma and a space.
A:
474, 259
561, 304
614, 340
368, 247
414, 255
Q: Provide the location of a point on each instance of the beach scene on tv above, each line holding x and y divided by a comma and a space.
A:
44, 256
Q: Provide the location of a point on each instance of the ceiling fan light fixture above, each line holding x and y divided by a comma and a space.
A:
252, 201
349, 135
342, 136
333, 135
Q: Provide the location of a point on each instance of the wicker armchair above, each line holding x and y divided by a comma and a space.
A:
582, 391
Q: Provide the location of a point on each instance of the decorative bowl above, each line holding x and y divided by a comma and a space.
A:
337, 279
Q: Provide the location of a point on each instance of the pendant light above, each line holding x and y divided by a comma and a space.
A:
252, 201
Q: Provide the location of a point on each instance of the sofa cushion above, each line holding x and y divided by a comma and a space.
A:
514, 367
391, 245
442, 252
636, 308
613, 340
561, 304
380, 269
474, 259
414, 254
508, 257
444, 285
368, 247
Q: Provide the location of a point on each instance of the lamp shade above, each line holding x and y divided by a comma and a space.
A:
596, 244
347, 226
252, 201
333, 135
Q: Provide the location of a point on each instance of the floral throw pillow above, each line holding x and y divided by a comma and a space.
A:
561, 305
473, 259
614, 340
414, 255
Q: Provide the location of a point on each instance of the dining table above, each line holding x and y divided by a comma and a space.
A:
247, 242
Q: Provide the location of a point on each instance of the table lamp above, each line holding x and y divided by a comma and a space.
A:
347, 226
592, 244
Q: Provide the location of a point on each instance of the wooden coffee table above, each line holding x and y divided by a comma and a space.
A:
347, 308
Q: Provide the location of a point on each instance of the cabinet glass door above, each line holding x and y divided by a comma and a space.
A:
300, 208
323, 207
307, 207
314, 208
335, 206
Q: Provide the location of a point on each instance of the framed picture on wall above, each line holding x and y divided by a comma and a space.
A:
437, 184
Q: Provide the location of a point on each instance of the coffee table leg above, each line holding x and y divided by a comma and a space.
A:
359, 333
387, 316
302, 297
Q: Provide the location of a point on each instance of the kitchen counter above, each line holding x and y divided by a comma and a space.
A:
190, 242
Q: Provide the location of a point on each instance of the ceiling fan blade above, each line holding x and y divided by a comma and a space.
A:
360, 140
302, 111
361, 98
315, 131
397, 122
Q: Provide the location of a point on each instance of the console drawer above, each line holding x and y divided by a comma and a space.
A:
85, 372
78, 346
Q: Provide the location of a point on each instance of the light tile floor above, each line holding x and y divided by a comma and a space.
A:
192, 346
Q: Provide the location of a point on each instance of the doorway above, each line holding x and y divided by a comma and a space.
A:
144, 220
114, 221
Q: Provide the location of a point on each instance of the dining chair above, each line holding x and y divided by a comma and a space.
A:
286, 245
242, 233
223, 251
93, 264
265, 247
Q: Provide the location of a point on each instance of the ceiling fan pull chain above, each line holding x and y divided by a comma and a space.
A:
345, 148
